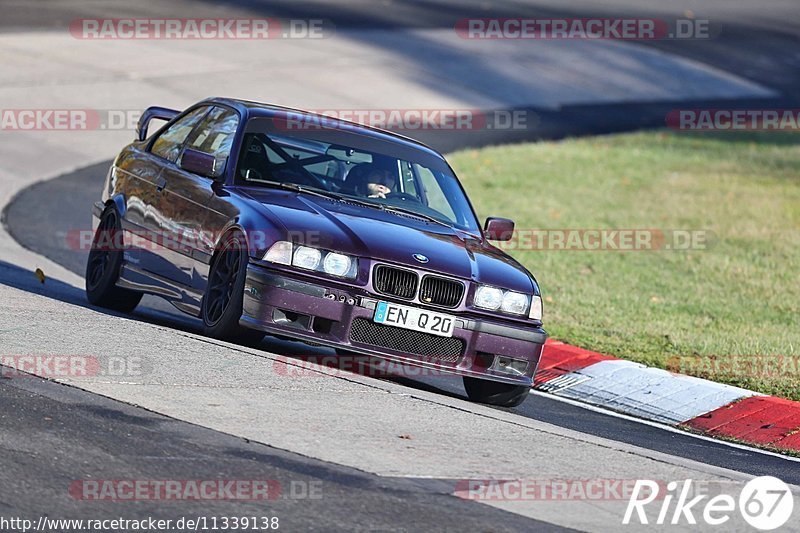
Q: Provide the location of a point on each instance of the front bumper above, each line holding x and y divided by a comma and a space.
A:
341, 317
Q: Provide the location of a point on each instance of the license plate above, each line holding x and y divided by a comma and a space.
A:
402, 316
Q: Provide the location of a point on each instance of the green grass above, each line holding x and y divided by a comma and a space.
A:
729, 313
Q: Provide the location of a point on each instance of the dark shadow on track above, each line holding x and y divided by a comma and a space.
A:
103, 440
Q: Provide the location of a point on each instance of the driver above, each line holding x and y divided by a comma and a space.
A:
377, 183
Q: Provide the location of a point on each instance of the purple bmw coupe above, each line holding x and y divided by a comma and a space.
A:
263, 219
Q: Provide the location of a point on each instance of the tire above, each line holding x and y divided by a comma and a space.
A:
104, 264
221, 308
495, 393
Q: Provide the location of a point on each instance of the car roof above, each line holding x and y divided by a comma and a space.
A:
259, 109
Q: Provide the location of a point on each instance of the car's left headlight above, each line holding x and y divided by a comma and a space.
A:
505, 301
308, 258
336, 264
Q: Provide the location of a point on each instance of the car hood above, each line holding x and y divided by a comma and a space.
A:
372, 233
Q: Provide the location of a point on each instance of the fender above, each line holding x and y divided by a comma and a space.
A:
119, 201
231, 227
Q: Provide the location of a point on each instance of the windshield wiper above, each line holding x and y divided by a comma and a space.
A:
317, 192
352, 200
413, 213
349, 199
296, 188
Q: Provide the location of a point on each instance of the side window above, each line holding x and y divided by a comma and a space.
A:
169, 144
433, 192
215, 136
407, 183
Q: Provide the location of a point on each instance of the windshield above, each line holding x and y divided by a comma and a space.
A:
352, 165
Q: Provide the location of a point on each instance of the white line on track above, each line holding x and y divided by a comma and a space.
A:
665, 427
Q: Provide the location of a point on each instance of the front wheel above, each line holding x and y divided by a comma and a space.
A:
222, 302
495, 393
103, 266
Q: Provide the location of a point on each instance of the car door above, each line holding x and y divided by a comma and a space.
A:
142, 192
185, 197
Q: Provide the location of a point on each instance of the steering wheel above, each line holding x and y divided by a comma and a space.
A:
403, 197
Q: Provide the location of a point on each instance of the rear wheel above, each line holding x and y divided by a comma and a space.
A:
222, 302
103, 266
495, 393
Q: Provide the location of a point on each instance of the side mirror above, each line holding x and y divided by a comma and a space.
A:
498, 229
160, 113
199, 163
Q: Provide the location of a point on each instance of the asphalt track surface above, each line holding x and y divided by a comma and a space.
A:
44, 234
63, 426
65, 429
759, 40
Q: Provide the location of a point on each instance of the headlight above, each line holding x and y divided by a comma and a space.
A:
515, 303
536, 308
336, 264
490, 298
509, 302
305, 257
280, 252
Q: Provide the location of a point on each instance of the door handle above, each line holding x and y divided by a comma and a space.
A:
160, 184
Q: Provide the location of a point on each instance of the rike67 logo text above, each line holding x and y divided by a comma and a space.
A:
765, 503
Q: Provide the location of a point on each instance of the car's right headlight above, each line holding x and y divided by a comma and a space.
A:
515, 303
508, 302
